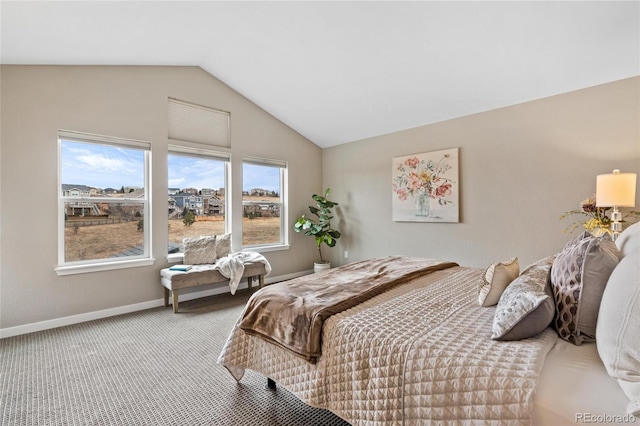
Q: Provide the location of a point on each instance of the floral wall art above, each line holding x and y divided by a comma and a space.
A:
426, 187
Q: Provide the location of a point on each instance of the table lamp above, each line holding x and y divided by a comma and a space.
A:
616, 190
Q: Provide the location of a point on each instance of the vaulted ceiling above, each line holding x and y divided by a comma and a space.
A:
343, 71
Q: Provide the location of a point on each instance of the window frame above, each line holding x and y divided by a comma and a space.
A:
209, 153
284, 205
93, 265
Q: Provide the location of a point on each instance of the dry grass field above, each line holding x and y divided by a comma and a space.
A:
104, 241
260, 230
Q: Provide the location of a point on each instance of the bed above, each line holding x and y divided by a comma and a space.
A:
454, 344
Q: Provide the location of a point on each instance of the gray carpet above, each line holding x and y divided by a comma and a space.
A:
145, 368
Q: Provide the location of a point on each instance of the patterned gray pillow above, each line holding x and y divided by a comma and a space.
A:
578, 278
575, 240
526, 306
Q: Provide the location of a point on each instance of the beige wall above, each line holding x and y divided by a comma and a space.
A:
521, 167
128, 102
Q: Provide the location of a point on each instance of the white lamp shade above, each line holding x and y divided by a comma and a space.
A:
616, 190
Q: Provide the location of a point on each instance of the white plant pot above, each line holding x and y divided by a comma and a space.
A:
317, 267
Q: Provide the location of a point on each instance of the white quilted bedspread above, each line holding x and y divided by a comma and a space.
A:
418, 354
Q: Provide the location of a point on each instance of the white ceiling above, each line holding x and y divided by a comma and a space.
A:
343, 71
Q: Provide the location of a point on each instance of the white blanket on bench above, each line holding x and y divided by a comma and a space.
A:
232, 266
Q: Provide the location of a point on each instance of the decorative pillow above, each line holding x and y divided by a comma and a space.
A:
495, 279
526, 307
629, 240
617, 331
578, 278
199, 250
223, 245
575, 240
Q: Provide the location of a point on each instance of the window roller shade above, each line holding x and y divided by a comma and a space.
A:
195, 123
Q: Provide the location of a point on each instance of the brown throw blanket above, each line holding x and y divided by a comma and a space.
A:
291, 313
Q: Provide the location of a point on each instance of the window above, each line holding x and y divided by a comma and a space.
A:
198, 197
263, 202
103, 199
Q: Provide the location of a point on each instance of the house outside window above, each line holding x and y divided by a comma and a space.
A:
103, 199
264, 203
197, 196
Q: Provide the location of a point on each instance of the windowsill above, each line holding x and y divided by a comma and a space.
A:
105, 266
177, 257
267, 248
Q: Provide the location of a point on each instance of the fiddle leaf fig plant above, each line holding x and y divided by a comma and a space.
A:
320, 226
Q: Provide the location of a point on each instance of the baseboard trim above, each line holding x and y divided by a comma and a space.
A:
105, 313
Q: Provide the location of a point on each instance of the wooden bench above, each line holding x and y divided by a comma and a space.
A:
174, 281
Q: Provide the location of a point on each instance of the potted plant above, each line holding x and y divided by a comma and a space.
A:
319, 228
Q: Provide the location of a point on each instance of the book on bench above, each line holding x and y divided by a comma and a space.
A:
183, 268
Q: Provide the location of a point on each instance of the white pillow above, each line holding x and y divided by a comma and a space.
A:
629, 239
223, 245
495, 279
618, 330
199, 250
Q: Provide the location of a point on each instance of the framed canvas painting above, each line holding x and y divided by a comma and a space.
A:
425, 187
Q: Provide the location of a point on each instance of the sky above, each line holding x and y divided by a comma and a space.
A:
104, 166
101, 166
195, 172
